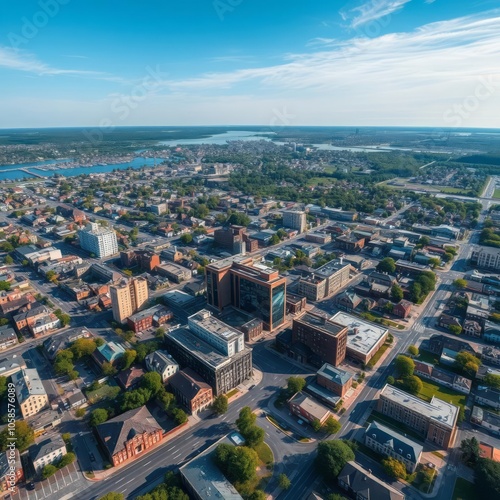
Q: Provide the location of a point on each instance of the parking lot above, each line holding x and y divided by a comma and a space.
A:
69, 478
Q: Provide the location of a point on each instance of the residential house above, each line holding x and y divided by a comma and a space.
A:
402, 309
161, 362
48, 451
130, 379
191, 390
488, 397
391, 443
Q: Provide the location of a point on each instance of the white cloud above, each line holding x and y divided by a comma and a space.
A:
372, 11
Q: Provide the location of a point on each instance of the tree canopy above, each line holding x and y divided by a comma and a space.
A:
404, 365
394, 468
332, 456
387, 265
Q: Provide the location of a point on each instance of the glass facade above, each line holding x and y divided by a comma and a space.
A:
278, 305
255, 299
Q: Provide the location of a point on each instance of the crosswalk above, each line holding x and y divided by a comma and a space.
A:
419, 327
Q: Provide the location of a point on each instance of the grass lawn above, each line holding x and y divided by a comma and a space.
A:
464, 490
232, 393
378, 355
265, 454
108, 391
430, 389
427, 357
326, 181
496, 193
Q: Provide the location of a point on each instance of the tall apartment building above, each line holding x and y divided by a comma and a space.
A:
295, 219
127, 297
31, 395
253, 288
487, 257
99, 240
435, 421
326, 339
217, 333
325, 280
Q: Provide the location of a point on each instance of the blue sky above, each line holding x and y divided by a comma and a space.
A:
274, 62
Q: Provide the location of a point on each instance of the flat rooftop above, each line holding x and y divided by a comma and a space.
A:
205, 320
331, 267
334, 374
201, 349
320, 323
438, 410
206, 478
362, 336
227, 262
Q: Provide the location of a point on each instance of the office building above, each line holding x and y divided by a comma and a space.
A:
253, 288
215, 332
306, 407
487, 258
334, 379
323, 338
435, 421
295, 219
222, 372
127, 297
364, 339
31, 395
98, 240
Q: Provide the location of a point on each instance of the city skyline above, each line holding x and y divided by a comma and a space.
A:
232, 62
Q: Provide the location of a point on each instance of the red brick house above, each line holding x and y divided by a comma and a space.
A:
129, 435
402, 309
191, 390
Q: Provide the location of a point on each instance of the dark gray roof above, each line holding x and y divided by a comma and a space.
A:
400, 444
116, 432
188, 383
363, 482
46, 447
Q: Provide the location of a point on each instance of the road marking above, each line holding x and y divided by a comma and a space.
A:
120, 480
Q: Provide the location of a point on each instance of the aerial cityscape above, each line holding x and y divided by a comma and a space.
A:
250, 250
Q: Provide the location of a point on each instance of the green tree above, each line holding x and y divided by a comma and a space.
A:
83, 347
237, 463
254, 436
8, 260
415, 292
3, 387
487, 478
331, 425
160, 332
413, 350
80, 412
186, 238
492, 380
48, 470
4, 286
67, 459
405, 366
64, 318
152, 382
387, 265
390, 380
283, 482
50, 275
434, 262
134, 399
413, 384
112, 495
469, 448
424, 241
394, 468
128, 358
316, 425
258, 495
180, 416
460, 284
246, 419
275, 239
455, 329
166, 399
467, 362
24, 436
98, 416
108, 369
396, 293
220, 404
295, 384
331, 458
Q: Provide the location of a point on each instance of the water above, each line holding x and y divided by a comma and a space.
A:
34, 164
136, 163
233, 135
